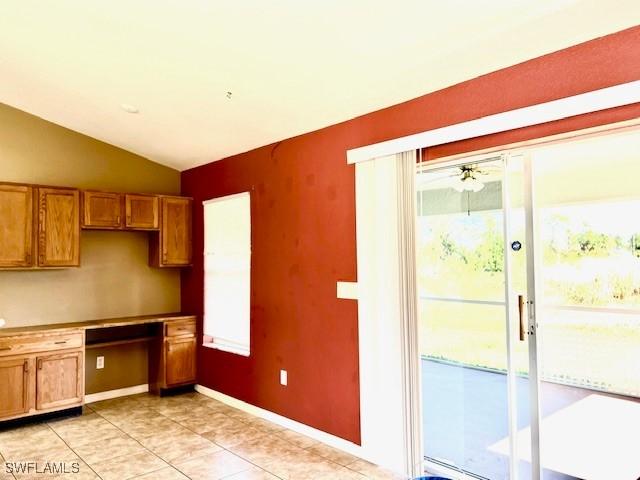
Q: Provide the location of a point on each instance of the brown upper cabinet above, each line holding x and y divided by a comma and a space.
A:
40, 225
171, 247
141, 212
16, 226
101, 210
58, 227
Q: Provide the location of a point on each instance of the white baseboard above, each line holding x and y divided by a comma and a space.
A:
120, 392
319, 435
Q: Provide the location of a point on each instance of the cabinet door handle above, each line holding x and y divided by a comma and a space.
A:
39, 364
5, 348
61, 342
26, 367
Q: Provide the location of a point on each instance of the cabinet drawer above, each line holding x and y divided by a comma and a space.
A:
186, 327
20, 344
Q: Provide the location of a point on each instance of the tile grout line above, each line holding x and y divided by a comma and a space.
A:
224, 448
167, 464
273, 433
242, 419
4, 462
69, 447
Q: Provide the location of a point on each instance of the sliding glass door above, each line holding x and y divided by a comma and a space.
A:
587, 204
464, 329
529, 284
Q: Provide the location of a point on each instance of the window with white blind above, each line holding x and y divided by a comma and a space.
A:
227, 273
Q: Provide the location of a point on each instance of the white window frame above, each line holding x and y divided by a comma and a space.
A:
237, 342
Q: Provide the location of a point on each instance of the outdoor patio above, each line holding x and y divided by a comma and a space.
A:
465, 409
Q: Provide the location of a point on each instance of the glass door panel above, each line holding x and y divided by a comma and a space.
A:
587, 204
463, 318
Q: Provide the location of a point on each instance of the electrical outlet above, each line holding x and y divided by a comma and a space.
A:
283, 377
99, 362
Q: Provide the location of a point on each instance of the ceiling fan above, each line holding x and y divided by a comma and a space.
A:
466, 179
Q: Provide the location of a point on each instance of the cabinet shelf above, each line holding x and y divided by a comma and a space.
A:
124, 341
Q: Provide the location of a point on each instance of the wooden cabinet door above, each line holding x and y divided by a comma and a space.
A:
16, 226
101, 210
58, 227
180, 360
141, 212
175, 234
59, 380
15, 386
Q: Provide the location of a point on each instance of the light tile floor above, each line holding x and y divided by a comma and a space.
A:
171, 438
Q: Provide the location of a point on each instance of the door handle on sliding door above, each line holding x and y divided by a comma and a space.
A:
521, 316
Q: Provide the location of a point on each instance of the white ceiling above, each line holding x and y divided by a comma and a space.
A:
293, 65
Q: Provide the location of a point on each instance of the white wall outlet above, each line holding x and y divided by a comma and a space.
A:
99, 362
283, 377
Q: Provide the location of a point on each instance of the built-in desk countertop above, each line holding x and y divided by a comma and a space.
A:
95, 324
42, 367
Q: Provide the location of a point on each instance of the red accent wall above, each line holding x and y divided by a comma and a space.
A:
303, 227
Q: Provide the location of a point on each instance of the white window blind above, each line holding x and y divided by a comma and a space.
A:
227, 273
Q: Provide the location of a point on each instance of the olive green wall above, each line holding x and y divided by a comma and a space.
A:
114, 278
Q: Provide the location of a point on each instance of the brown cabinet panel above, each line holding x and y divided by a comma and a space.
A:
102, 210
58, 227
22, 344
59, 380
16, 226
180, 328
141, 212
180, 354
172, 246
14, 393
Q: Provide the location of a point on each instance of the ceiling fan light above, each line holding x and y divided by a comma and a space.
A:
475, 185
458, 185
468, 184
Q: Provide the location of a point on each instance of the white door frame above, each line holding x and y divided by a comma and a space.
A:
510, 314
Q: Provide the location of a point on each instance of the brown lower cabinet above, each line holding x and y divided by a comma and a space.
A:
41, 372
181, 360
59, 380
15, 377
32, 385
173, 356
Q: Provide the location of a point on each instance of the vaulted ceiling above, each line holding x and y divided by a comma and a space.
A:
290, 66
